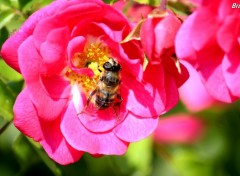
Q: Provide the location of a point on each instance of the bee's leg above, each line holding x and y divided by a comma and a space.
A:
116, 106
88, 101
90, 96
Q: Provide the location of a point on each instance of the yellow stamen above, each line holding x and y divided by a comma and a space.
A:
93, 57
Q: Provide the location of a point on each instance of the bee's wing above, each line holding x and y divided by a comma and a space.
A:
90, 107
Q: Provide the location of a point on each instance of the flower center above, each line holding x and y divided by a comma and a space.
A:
93, 57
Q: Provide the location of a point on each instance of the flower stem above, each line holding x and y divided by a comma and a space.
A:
163, 5
4, 127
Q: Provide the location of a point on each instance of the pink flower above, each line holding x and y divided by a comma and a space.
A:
60, 51
157, 38
133, 10
193, 93
209, 40
178, 128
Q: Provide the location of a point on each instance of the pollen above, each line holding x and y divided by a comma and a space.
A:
93, 57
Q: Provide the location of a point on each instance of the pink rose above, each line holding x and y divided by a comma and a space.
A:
193, 93
157, 38
178, 128
60, 51
209, 40
133, 10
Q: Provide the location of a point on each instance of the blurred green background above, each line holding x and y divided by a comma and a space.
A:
216, 153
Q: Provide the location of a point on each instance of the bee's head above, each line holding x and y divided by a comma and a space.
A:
112, 65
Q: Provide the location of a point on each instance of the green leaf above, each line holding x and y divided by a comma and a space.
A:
8, 137
11, 78
11, 16
7, 99
3, 36
8, 164
30, 156
7, 73
188, 164
179, 8
24, 151
105, 165
15, 23
49, 162
22, 3
110, 1
216, 143
149, 2
139, 156
5, 3
10, 85
6, 17
33, 5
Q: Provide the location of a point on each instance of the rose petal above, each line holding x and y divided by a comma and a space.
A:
148, 37
64, 154
25, 116
102, 120
53, 50
44, 27
212, 73
165, 32
56, 86
119, 5
115, 35
228, 33
204, 19
76, 45
10, 47
82, 139
78, 19
78, 98
210, 5
135, 128
171, 91
139, 11
186, 129
225, 9
193, 93
198, 2
30, 62
231, 70
147, 98
182, 76
118, 22
89, 9
93, 119
183, 41
179, 73
55, 144
82, 28
216, 85
130, 63
27, 121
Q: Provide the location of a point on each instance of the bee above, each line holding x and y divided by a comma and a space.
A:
106, 93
